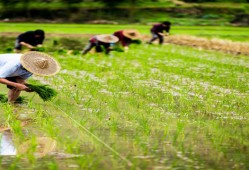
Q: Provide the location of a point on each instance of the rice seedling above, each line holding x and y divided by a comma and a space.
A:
3, 98
20, 99
153, 107
45, 92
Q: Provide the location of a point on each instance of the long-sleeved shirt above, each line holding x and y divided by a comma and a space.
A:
122, 39
29, 37
159, 28
10, 66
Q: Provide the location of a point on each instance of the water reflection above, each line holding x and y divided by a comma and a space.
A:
6, 144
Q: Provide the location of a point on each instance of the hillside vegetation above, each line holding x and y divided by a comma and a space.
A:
126, 11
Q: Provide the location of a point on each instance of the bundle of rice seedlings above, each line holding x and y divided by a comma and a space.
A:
44, 91
3, 98
41, 49
21, 99
118, 49
136, 41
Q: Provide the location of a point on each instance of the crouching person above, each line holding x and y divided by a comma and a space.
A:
102, 43
157, 32
15, 69
32, 40
127, 37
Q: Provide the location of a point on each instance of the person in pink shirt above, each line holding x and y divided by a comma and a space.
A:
126, 37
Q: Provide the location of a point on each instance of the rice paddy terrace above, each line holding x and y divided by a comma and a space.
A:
153, 107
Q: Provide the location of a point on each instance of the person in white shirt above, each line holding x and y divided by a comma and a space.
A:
15, 69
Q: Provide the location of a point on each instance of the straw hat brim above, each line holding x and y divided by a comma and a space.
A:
44, 145
106, 38
132, 34
7, 128
30, 59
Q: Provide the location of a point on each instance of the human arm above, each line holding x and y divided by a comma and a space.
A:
163, 34
167, 29
20, 84
27, 45
126, 48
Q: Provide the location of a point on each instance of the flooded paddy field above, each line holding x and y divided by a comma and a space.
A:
153, 107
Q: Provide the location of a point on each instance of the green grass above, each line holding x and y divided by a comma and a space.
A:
168, 107
223, 32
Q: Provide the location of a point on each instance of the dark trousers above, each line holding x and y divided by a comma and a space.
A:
13, 79
98, 48
156, 36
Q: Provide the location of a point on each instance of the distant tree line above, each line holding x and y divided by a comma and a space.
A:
8, 3
110, 3
239, 1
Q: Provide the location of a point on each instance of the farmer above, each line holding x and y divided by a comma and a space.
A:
157, 31
126, 37
103, 42
29, 39
15, 69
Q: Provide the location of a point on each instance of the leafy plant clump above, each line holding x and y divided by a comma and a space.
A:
41, 49
3, 98
118, 49
44, 91
20, 99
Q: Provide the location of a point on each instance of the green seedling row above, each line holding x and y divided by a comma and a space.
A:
152, 107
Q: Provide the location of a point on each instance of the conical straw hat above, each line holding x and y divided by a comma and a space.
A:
6, 128
44, 145
132, 34
40, 64
106, 38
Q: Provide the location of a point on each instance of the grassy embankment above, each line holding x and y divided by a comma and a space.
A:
152, 107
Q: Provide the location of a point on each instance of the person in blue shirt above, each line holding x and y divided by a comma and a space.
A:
15, 69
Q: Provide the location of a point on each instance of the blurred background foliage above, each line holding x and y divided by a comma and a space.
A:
182, 12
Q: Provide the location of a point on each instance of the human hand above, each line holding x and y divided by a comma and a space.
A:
31, 47
23, 87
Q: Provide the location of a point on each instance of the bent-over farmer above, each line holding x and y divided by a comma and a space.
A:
15, 69
102, 43
157, 31
126, 37
29, 39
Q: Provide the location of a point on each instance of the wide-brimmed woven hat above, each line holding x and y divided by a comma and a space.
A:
107, 38
132, 34
40, 64
44, 146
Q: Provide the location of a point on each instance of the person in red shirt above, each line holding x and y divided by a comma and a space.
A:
126, 37
157, 31
101, 43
